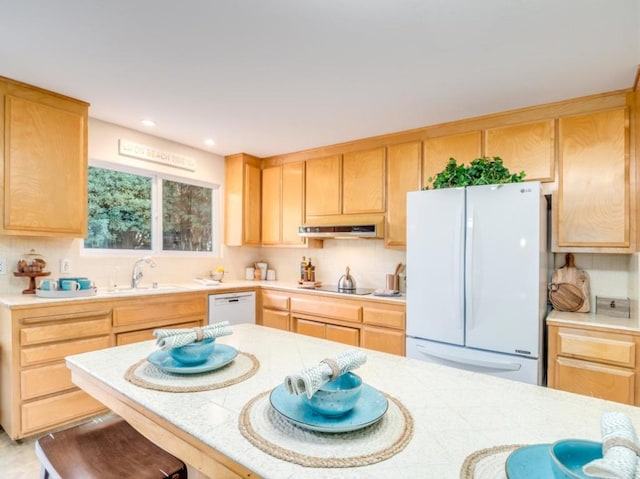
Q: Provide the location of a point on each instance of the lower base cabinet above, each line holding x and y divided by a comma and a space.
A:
36, 393
594, 362
369, 324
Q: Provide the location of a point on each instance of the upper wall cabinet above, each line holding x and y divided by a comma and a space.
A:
349, 185
242, 184
403, 175
44, 155
282, 204
438, 150
529, 148
593, 202
324, 186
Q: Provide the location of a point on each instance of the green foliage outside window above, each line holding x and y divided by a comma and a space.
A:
186, 217
119, 210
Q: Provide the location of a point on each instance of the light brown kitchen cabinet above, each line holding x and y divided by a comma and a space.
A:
528, 147
323, 186
593, 205
594, 362
369, 324
363, 182
283, 204
37, 393
384, 327
275, 309
242, 206
347, 188
134, 319
403, 175
43, 148
464, 147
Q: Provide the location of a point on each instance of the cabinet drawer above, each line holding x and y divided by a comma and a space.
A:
611, 348
275, 319
385, 340
275, 300
596, 380
57, 351
147, 334
159, 309
68, 330
54, 411
384, 317
45, 380
328, 308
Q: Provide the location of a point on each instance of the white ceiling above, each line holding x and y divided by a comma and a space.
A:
275, 76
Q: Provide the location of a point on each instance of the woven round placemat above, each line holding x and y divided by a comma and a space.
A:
146, 375
270, 432
487, 463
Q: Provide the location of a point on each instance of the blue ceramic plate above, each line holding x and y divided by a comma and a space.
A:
221, 356
369, 409
530, 462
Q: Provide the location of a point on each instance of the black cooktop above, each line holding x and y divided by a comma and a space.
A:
334, 289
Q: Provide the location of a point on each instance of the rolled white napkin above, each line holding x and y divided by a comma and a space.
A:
619, 447
309, 380
174, 338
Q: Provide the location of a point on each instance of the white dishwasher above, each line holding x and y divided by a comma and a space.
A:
233, 307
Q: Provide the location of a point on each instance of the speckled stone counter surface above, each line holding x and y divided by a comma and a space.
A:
598, 320
11, 300
455, 412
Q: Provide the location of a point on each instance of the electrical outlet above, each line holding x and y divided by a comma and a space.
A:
65, 266
3, 265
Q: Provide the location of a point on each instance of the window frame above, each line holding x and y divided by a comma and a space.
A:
156, 214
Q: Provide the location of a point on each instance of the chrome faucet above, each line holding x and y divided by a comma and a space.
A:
136, 274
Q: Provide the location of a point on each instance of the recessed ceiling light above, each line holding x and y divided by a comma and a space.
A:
148, 122
209, 142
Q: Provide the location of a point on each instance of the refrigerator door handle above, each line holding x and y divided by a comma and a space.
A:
500, 365
469, 260
458, 253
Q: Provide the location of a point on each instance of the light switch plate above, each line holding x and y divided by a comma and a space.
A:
65, 266
3, 265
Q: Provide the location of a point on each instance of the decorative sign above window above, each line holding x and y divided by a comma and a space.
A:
142, 152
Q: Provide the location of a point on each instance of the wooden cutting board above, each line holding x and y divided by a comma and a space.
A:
566, 297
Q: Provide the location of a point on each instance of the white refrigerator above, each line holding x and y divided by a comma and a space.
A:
477, 268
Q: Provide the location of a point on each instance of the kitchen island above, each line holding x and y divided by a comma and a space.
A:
455, 412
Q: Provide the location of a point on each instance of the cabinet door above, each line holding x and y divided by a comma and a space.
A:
342, 334
271, 205
310, 328
251, 205
403, 175
593, 181
45, 165
323, 186
363, 177
438, 151
529, 148
596, 380
292, 203
147, 334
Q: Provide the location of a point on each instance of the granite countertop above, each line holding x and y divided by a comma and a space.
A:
11, 300
631, 324
455, 412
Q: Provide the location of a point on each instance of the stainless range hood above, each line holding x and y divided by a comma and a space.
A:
340, 231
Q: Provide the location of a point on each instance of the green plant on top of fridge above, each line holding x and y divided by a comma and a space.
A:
481, 171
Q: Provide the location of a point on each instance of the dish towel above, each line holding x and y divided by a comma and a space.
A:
309, 380
174, 338
619, 448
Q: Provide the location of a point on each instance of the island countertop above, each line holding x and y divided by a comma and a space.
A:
455, 412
